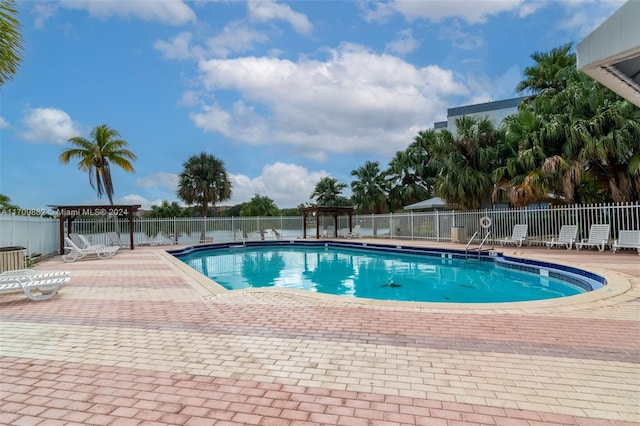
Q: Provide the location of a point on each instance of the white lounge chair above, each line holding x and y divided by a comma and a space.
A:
518, 236
35, 275
343, 232
115, 240
355, 232
598, 237
32, 283
329, 232
627, 239
82, 241
567, 237
76, 253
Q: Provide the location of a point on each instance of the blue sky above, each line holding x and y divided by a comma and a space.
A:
284, 93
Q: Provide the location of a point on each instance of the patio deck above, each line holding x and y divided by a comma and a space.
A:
137, 339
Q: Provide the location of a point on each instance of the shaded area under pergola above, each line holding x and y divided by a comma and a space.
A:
318, 211
70, 213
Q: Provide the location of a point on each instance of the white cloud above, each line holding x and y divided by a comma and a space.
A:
236, 37
462, 39
264, 11
170, 12
43, 12
190, 98
4, 123
354, 101
48, 125
240, 123
471, 11
404, 43
165, 181
580, 21
137, 199
288, 185
177, 48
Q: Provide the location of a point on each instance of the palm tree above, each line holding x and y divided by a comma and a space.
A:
371, 189
10, 41
411, 173
468, 159
328, 192
204, 181
574, 138
551, 71
96, 155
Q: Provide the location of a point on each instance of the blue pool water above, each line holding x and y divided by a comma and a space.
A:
371, 274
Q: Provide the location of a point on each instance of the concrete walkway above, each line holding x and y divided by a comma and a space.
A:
137, 339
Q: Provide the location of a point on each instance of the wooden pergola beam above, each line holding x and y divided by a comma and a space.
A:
70, 213
318, 211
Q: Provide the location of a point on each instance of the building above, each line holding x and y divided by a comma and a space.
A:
496, 111
611, 53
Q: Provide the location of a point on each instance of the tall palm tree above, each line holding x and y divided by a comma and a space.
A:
96, 155
10, 41
468, 159
551, 71
411, 173
204, 181
328, 192
603, 134
371, 189
575, 138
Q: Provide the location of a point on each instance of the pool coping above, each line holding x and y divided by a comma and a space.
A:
614, 292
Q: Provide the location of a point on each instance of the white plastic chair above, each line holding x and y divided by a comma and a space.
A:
518, 236
627, 239
567, 237
598, 237
115, 240
355, 233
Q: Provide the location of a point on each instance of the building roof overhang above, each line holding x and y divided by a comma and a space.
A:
611, 53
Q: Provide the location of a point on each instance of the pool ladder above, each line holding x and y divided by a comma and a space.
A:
479, 248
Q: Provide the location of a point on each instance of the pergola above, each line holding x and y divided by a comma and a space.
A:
70, 213
318, 211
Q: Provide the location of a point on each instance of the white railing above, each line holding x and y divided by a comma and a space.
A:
41, 235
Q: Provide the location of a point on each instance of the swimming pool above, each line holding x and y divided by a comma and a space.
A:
378, 271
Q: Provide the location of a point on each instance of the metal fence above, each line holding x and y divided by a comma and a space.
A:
41, 235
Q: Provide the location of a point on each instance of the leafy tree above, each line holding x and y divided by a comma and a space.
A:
328, 193
370, 189
295, 211
95, 157
166, 227
204, 181
233, 211
10, 41
166, 210
260, 206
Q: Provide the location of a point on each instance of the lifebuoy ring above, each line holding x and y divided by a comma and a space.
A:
485, 222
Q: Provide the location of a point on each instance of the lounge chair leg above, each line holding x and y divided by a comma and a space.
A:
47, 292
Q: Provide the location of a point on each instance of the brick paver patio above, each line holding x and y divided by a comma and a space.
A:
136, 340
